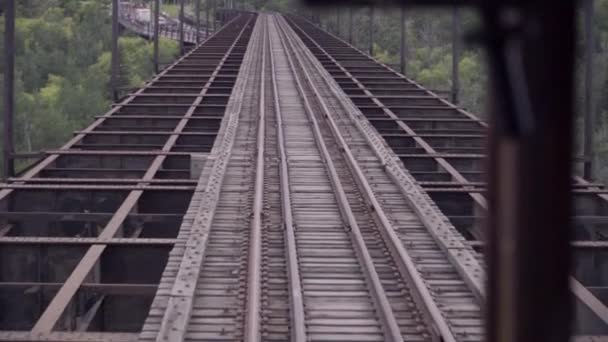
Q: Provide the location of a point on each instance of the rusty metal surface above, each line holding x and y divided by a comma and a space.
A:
334, 200
433, 138
86, 215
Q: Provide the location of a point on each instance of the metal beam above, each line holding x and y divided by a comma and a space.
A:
115, 52
403, 43
338, 21
350, 25
588, 152
182, 46
8, 147
456, 23
198, 21
371, 31
156, 34
214, 14
207, 23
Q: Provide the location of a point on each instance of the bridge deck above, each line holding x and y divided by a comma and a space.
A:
273, 184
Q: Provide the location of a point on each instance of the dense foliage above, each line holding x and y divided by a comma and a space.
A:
63, 68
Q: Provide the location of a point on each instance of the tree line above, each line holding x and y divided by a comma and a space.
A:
63, 68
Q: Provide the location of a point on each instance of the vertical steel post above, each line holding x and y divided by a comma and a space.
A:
338, 21
9, 88
213, 17
156, 34
588, 152
207, 9
115, 57
403, 41
455, 54
350, 25
371, 31
198, 21
182, 47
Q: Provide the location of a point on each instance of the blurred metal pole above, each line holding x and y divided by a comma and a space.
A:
9, 88
156, 34
182, 47
198, 21
403, 41
588, 152
350, 25
207, 9
530, 138
455, 54
115, 57
371, 31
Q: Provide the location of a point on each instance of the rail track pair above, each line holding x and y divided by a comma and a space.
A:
306, 227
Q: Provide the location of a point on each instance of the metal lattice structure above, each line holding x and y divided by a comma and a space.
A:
275, 183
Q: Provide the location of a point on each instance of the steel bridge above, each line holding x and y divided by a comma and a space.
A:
275, 183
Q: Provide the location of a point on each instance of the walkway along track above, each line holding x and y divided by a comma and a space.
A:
298, 232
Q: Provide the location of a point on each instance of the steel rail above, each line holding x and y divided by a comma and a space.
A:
58, 304
179, 308
407, 266
580, 292
433, 219
252, 320
298, 318
387, 317
410, 132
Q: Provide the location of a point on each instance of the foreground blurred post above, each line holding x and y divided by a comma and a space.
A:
529, 228
9, 88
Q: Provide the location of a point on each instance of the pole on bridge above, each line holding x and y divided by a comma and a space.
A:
338, 21
182, 47
208, 8
403, 43
371, 31
115, 57
214, 15
198, 21
9, 89
589, 107
156, 34
350, 25
455, 54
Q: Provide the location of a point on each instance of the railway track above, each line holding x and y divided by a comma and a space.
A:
273, 184
301, 234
